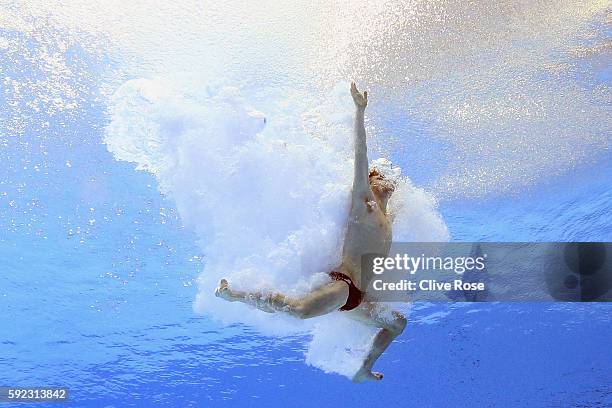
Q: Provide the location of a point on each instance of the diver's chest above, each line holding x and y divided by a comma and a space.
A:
372, 227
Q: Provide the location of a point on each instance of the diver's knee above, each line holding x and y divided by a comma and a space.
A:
304, 311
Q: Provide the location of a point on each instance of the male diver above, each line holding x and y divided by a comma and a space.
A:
368, 232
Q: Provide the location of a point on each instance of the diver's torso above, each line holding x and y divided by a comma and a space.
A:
368, 232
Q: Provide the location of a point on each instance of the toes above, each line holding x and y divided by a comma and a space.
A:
223, 287
365, 374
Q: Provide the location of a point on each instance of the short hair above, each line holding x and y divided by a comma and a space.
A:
390, 184
375, 172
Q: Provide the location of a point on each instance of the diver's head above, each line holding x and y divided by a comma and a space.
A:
381, 186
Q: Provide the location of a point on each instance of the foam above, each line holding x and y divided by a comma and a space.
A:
269, 202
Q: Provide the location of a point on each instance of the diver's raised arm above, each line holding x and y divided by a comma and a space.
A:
360, 180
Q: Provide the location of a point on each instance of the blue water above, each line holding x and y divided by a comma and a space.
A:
98, 279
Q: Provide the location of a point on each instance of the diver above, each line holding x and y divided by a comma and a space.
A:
368, 232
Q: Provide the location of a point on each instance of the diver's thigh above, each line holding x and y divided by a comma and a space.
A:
373, 314
325, 299
365, 313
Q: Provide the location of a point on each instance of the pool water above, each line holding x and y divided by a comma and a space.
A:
99, 271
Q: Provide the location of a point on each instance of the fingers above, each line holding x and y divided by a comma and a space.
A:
361, 99
354, 90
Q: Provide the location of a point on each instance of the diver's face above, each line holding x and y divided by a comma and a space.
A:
381, 187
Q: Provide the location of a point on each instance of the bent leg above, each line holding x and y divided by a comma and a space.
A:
391, 324
321, 301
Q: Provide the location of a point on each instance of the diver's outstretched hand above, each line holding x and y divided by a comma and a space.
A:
360, 99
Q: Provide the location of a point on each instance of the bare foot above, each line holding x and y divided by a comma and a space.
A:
365, 374
223, 290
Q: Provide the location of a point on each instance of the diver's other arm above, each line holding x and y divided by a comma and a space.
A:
360, 179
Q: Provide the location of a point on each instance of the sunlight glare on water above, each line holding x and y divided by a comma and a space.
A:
511, 92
